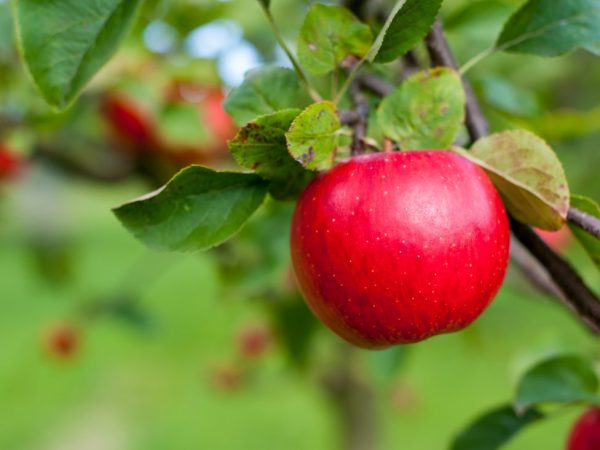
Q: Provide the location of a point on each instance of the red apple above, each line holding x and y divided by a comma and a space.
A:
585, 434
215, 116
10, 163
128, 121
226, 377
253, 341
395, 247
62, 341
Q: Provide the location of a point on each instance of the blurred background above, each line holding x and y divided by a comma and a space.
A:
105, 345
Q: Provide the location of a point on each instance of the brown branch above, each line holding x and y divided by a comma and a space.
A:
575, 293
349, 117
359, 131
584, 221
375, 84
354, 401
577, 296
441, 55
533, 270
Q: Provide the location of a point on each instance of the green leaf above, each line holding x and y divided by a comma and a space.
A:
552, 28
590, 243
494, 429
528, 175
265, 3
505, 96
296, 327
64, 42
558, 379
312, 138
426, 111
328, 36
408, 27
264, 91
261, 146
197, 209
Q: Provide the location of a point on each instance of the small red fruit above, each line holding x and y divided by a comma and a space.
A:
253, 341
215, 116
128, 121
62, 341
585, 434
10, 163
226, 378
396, 247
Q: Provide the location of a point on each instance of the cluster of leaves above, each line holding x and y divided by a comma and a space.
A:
546, 388
285, 139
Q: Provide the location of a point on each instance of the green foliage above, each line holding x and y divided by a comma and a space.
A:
590, 243
528, 175
312, 138
179, 123
503, 95
64, 42
261, 146
426, 111
565, 124
265, 90
494, 429
552, 27
328, 36
408, 26
197, 209
561, 379
385, 364
564, 379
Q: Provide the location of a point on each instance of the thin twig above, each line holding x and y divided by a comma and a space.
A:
576, 294
441, 55
297, 68
355, 403
533, 270
584, 221
361, 106
349, 117
375, 84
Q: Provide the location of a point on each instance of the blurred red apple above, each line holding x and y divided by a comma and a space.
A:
226, 378
396, 247
585, 434
10, 163
215, 116
253, 341
62, 340
128, 121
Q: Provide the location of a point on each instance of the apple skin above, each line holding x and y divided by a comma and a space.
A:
585, 434
396, 247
